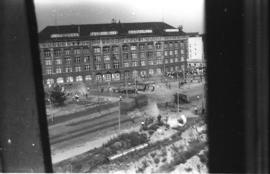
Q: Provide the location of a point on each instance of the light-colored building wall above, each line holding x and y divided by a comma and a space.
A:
195, 48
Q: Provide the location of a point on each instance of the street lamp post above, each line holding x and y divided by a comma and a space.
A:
136, 85
119, 116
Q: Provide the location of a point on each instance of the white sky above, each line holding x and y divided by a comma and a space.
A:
188, 13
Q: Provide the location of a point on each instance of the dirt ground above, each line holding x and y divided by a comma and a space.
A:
154, 161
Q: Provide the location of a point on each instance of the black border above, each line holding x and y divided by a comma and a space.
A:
237, 68
43, 124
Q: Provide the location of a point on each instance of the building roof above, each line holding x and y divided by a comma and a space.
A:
83, 31
193, 34
195, 60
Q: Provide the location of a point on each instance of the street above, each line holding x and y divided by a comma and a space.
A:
98, 126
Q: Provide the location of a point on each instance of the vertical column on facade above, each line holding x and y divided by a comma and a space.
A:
146, 58
91, 45
91, 62
52, 59
185, 45
164, 61
120, 59
137, 60
163, 57
154, 57
127, 71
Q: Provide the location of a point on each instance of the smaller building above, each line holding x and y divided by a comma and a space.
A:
195, 47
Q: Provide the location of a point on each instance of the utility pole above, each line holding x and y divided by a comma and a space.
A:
119, 116
110, 91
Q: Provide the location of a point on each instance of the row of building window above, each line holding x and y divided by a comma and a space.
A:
97, 58
59, 52
68, 60
107, 49
58, 70
115, 65
64, 44
111, 76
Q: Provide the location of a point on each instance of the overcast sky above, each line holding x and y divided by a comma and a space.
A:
188, 13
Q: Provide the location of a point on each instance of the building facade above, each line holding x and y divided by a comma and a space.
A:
195, 47
115, 52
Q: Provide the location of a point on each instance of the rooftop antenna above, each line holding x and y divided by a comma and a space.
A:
79, 29
162, 14
55, 18
55, 21
113, 20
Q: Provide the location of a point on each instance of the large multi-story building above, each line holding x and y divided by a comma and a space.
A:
114, 52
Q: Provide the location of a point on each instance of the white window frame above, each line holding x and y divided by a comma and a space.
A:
88, 77
143, 63
49, 81
60, 80
126, 64
58, 61
79, 78
58, 70
69, 79
48, 62
49, 70
78, 69
68, 69
87, 67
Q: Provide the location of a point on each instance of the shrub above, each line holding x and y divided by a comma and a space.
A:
97, 160
179, 159
77, 168
175, 136
188, 169
143, 167
154, 127
156, 160
198, 167
203, 158
194, 142
151, 131
164, 160
175, 149
140, 170
163, 152
127, 139
166, 168
57, 96
181, 148
153, 154
144, 164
